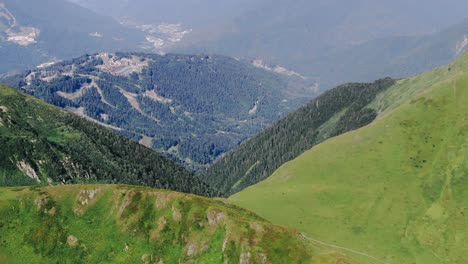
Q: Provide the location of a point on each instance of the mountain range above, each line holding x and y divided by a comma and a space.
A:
32, 33
394, 179
112, 154
192, 108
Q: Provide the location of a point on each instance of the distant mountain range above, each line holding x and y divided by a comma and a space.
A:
34, 32
331, 41
341, 41
395, 56
192, 108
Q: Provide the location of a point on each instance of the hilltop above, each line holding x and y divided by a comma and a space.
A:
123, 224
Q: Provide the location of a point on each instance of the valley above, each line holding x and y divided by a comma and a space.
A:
333, 113
234, 131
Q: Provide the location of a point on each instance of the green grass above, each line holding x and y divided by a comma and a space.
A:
396, 189
123, 224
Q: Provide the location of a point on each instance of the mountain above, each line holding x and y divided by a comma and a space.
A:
334, 41
395, 56
395, 189
122, 224
42, 144
34, 32
195, 14
192, 108
337, 111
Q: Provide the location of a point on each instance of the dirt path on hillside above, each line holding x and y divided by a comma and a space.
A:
342, 248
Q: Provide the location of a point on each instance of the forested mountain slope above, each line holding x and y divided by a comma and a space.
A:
42, 144
122, 224
395, 189
192, 108
335, 112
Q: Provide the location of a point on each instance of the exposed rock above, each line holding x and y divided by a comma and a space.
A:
191, 249
52, 211
40, 201
146, 141
128, 199
85, 197
28, 170
245, 258
226, 240
155, 234
148, 258
162, 200
176, 215
72, 241
257, 227
121, 66
215, 217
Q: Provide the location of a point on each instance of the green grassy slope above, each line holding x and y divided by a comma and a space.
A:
41, 144
123, 224
335, 112
395, 189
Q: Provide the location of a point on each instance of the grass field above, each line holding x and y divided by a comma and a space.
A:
396, 189
123, 224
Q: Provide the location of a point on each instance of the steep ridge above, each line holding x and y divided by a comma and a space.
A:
122, 224
395, 189
192, 108
42, 144
335, 112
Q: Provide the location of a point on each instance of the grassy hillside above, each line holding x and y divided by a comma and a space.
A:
395, 189
192, 108
122, 224
42, 144
335, 112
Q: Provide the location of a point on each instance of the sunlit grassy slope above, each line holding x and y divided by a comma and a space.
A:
123, 224
397, 189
